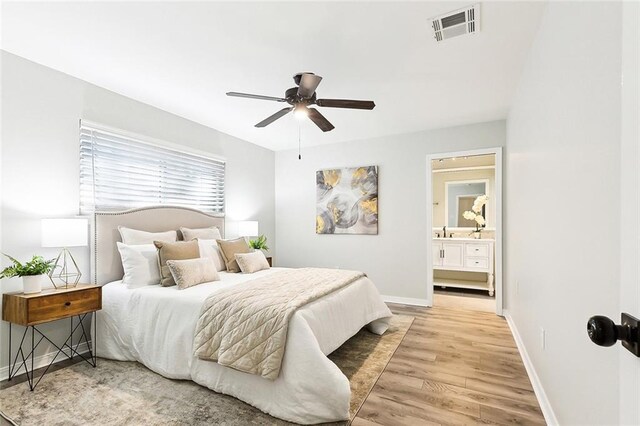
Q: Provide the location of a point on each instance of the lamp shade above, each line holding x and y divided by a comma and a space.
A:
248, 228
64, 232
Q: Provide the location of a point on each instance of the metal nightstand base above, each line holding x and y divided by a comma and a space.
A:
22, 360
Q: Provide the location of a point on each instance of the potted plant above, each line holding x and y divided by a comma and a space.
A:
259, 243
31, 272
475, 214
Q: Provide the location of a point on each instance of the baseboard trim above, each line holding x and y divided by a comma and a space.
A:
44, 359
543, 400
405, 300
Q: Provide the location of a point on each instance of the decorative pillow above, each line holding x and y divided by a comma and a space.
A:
134, 236
252, 262
212, 233
209, 249
140, 264
229, 248
179, 250
190, 272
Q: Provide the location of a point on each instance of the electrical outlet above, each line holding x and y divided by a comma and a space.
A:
543, 338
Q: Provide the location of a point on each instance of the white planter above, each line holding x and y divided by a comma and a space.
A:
32, 283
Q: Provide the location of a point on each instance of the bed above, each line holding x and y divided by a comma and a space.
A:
155, 326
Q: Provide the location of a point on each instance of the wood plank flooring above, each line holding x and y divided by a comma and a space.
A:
453, 367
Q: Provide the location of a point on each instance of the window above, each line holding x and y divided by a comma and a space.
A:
119, 172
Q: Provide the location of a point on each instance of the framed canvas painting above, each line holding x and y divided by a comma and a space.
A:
347, 200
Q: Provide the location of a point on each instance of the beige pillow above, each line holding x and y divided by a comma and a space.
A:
212, 233
179, 250
136, 237
252, 262
190, 272
230, 248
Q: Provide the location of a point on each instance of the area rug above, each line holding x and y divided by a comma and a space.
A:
127, 393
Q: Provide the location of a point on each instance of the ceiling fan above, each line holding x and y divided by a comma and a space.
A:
301, 97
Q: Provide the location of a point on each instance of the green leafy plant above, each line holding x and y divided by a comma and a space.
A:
36, 266
259, 243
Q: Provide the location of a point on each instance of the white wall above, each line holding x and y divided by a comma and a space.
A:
563, 206
40, 158
395, 258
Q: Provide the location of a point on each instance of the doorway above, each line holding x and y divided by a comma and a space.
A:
464, 230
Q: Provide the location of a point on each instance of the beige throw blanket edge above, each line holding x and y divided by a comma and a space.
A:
245, 327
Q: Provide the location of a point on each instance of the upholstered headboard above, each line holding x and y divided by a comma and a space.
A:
106, 265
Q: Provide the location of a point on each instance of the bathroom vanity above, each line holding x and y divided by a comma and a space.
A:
465, 255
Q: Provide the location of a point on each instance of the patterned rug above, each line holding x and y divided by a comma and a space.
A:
127, 393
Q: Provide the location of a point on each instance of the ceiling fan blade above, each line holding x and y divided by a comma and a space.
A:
345, 103
249, 95
274, 117
308, 85
319, 120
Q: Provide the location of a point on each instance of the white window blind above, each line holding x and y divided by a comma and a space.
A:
120, 172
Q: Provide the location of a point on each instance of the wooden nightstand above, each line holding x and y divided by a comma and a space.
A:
270, 260
30, 310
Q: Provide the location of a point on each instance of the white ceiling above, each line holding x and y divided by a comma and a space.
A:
182, 57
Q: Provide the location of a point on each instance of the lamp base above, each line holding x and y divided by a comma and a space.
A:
65, 271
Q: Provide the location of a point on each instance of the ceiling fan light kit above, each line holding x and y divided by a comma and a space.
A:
301, 98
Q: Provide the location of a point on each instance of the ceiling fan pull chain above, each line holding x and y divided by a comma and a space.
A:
299, 155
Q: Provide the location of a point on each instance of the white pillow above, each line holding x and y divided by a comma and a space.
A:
252, 262
210, 249
140, 264
136, 237
212, 233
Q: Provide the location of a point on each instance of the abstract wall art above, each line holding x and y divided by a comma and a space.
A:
347, 201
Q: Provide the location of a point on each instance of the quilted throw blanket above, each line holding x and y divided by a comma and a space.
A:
245, 327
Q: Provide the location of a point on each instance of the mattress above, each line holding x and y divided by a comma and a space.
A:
155, 326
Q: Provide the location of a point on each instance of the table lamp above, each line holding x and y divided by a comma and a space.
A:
65, 233
248, 228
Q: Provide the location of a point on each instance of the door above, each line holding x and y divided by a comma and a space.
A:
629, 201
453, 254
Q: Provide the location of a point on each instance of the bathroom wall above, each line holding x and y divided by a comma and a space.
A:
439, 181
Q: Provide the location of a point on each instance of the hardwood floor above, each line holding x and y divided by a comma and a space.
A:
474, 302
453, 367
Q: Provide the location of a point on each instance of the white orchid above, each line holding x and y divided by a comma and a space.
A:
475, 213
469, 215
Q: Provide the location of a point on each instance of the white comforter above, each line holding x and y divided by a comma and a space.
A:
155, 326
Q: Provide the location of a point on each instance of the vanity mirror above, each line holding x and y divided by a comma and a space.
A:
459, 197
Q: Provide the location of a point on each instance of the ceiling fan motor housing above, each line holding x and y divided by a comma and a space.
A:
291, 95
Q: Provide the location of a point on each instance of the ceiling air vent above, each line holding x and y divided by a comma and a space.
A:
457, 23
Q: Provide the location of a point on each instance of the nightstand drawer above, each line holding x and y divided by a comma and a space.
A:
50, 304
63, 305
